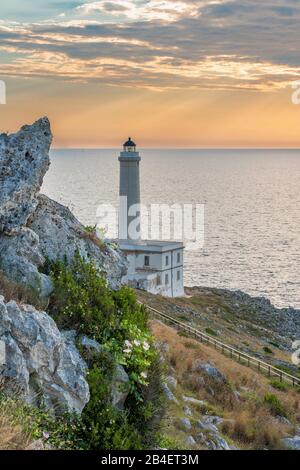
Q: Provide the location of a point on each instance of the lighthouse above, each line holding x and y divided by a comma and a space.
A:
153, 265
130, 200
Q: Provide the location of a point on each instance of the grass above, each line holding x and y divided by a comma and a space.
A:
275, 405
89, 233
12, 434
275, 383
20, 293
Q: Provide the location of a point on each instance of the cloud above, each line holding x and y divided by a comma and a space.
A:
164, 10
161, 44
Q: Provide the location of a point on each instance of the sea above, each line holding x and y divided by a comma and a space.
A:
251, 201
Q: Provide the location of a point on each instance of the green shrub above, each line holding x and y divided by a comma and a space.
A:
81, 298
102, 425
275, 405
83, 301
278, 385
268, 350
211, 332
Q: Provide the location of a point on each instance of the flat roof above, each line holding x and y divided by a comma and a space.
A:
157, 246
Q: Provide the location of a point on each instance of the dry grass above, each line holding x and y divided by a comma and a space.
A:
248, 420
92, 237
21, 294
12, 435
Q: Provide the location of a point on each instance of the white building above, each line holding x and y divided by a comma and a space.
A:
154, 266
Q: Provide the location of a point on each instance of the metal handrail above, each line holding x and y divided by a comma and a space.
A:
235, 354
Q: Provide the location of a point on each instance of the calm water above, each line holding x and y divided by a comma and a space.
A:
252, 201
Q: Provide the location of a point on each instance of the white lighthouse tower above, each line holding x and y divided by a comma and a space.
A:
153, 265
130, 212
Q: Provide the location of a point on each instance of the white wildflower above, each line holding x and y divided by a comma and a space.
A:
127, 351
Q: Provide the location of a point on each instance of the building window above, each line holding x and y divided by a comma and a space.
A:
167, 260
178, 275
167, 279
158, 280
178, 257
147, 260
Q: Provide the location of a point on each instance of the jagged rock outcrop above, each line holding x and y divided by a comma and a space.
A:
210, 371
40, 364
33, 226
20, 259
60, 232
24, 159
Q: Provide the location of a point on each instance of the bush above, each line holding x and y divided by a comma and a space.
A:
268, 350
211, 332
275, 383
81, 298
275, 405
83, 301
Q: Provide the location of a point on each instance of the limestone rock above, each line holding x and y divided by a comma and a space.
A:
292, 443
216, 420
190, 441
24, 160
194, 401
185, 423
120, 387
40, 363
90, 346
218, 443
120, 379
188, 411
33, 226
21, 258
168, 394
36, 445
171, 381
210, 370
207, 427
60, 233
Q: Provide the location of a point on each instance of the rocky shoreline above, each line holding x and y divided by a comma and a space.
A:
259, 310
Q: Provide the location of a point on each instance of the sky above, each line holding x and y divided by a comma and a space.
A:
169, 73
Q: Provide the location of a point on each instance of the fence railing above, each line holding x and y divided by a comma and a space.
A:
233, 353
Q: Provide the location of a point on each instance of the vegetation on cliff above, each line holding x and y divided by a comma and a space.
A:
82, 301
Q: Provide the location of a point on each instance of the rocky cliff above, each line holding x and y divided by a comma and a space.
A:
32, 226
42, 364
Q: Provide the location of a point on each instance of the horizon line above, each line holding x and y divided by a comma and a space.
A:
177, 148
